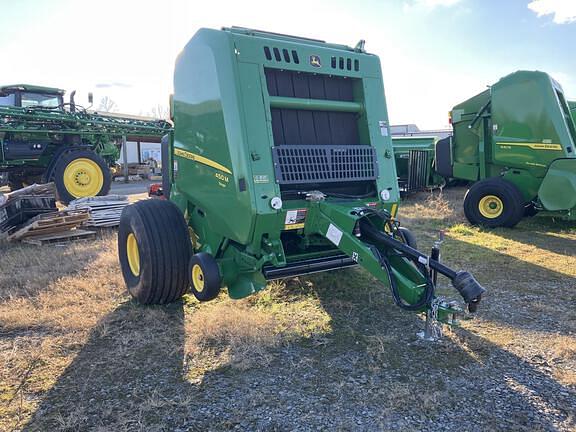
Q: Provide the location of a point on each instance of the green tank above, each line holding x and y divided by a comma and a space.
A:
281, 165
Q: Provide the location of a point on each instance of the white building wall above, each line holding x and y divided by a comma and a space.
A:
147, 150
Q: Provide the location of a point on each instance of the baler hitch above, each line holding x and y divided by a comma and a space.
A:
466, 285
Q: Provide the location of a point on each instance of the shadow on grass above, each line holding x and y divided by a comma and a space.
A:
369, 372
28, 270
544, 233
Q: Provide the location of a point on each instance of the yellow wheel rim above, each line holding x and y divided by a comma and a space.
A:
133, 254
83, 178
198, 277
491, 206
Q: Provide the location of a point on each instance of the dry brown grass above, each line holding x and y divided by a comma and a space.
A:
52, 298
242, 339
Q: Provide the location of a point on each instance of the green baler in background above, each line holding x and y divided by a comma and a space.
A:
281, 164
414, 157
517, 142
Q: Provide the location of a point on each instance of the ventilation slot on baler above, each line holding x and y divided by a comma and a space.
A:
284, 56
322, 164
344, 63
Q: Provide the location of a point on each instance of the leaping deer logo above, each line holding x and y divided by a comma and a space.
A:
315, 61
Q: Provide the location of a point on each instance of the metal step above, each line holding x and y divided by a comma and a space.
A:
314, 265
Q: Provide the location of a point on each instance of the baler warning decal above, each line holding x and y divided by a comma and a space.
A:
334, 234
534, 146
295, 219
201, 159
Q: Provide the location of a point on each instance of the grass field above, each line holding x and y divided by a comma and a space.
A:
324, 352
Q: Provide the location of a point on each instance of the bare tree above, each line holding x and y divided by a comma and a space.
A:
160, 112
107, 105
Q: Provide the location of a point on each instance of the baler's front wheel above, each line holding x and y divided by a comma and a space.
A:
494, 202
154, 250
205, 276
80, 174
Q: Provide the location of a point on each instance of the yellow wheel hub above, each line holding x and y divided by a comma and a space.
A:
83, 178
133, 254
198, 277
491, 206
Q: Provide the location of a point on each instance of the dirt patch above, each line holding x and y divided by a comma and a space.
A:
326, 352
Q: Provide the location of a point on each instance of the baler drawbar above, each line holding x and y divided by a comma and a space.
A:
280, 164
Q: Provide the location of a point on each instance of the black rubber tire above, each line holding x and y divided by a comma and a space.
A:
509, 195
211, 276
64, 160
164, 249
409, 237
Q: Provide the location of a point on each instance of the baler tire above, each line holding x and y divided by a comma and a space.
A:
154, 249
204, 276
408, 237
93, 162
508, 202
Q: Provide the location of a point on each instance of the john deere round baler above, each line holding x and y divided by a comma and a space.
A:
280, 164
517, 142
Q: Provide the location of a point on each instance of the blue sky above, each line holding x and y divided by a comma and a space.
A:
435, 53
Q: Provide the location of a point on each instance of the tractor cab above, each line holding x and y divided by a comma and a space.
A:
27, 96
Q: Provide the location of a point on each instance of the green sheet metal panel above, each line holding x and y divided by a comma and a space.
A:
558, 189
529, 126
223, 136
465, 151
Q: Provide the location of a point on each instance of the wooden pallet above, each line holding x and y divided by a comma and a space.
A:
53, 223
105, 211
74, 234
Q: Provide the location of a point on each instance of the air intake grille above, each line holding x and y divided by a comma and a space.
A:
324, 163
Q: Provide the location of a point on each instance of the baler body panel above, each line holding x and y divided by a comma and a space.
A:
561, 177
234, 103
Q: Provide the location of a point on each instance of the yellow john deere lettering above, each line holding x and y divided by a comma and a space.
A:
201, 159
534, 146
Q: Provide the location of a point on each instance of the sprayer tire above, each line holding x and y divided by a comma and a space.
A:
409, 238
494, 202
154, 249
81, 173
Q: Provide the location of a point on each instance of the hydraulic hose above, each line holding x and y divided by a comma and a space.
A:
468, 287
427, 295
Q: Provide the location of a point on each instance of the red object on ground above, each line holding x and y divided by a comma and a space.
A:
155, 191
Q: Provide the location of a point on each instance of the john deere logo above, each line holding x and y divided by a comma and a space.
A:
315, 61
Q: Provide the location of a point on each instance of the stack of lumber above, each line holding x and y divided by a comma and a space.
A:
52, 227
104, 211
21, 205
